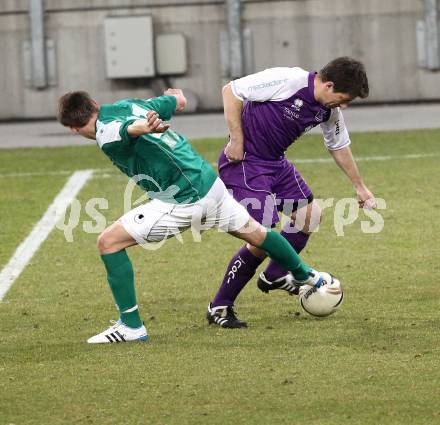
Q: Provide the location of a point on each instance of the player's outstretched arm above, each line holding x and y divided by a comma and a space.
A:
152, 124
233, 106
344, 158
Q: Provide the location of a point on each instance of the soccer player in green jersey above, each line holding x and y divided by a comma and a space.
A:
184, 191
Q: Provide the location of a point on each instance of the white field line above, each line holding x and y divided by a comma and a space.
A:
369, 158
41, 230
359, 158
111, 171
52, 173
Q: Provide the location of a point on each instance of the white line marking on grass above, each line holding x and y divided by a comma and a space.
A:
106, 172
361, 158
24, 253
37, 174
369, 158
53, 173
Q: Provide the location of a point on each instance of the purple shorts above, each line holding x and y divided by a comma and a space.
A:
265, 187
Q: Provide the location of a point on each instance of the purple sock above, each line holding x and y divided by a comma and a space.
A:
239, 272
298, 240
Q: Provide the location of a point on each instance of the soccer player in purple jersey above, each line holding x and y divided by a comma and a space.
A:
185, 191
266, 112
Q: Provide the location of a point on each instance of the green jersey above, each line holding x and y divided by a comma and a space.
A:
163, 164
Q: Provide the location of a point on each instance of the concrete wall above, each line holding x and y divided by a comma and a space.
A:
307, 33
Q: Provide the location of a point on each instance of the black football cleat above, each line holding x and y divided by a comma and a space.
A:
225, 317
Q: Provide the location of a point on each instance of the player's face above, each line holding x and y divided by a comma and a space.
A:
83, 131
332, 99
88, 131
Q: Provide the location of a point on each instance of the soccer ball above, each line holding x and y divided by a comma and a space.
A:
324, 300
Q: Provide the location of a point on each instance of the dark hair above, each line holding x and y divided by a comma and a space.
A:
75, 109
348, 75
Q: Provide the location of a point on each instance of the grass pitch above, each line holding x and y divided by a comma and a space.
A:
376, 361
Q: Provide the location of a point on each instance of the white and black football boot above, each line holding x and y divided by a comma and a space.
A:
120, 333
314, 279
284, 283
225, 317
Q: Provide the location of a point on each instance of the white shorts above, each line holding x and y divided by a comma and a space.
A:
157, 220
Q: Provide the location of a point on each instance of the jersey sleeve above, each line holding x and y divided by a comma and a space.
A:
273, 84
114, 131
335, 132
165, 106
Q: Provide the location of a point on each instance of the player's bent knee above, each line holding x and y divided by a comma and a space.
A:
308, 218
105, 242
315, 218
252, 232
256, 252
101, 243
115, 238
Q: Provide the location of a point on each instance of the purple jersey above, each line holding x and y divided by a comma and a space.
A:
279, 107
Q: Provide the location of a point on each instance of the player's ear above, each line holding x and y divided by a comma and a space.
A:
329, 85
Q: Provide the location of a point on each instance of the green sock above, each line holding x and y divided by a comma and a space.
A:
120, 277
280, 250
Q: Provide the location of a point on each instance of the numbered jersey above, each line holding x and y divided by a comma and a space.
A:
163, 164
279, 107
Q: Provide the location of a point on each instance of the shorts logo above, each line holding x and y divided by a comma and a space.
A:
139, 218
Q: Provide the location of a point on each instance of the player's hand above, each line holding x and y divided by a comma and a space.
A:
180, 98
154, 124
234, 151
366, 198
